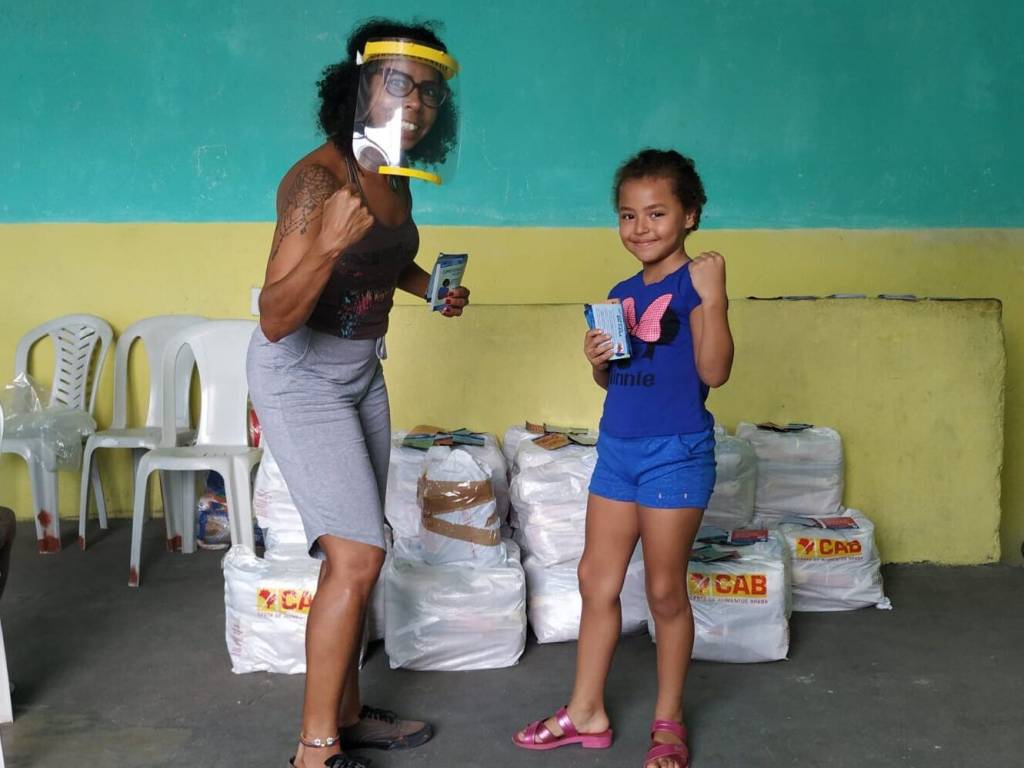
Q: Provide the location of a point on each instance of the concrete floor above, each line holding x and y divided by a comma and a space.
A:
119, 677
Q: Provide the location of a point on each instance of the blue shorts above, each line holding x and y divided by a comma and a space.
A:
668, 472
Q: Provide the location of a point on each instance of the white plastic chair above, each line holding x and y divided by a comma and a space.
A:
81, 344
6, 708
153, 333
222, 436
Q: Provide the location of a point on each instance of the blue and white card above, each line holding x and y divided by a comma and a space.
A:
447, 274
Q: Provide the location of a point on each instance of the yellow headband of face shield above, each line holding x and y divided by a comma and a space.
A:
439, 60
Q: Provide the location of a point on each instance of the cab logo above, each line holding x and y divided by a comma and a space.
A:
826, 549
728, 585
293, 601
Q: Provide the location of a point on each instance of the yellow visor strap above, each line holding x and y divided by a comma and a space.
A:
441, 61
412, 173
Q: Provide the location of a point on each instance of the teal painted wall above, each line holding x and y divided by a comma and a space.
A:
800, 114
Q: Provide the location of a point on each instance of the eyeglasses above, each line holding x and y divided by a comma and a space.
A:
433, 92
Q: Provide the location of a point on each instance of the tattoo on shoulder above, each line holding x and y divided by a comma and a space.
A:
304, 202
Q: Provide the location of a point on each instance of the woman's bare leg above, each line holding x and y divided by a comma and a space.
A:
333, 635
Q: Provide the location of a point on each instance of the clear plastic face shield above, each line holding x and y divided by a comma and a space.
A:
406, 122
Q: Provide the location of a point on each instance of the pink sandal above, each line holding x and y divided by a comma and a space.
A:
538, 736
678, 753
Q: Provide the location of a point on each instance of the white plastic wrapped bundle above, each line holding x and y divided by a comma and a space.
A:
60, 430
554, 605
275, 511
449, 617
798, 473
288, 550
401, 507
836, 566
490, 455
529, 455
549, 500
266, 604
553, 600
514, 435
732, 503
741, 606
458, 512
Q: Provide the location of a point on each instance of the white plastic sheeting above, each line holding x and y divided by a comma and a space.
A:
836, 565
529, 455
554, 604
275, 511
60, 430
514, 435
550, 502
798, 473
450, 617
732, 503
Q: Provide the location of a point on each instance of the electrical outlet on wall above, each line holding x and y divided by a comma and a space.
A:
254, 301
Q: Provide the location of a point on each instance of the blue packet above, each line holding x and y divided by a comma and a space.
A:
607, 317
447, 274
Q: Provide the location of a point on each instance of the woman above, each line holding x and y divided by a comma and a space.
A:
345, 240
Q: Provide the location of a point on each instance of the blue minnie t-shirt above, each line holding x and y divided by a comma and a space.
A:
657, 390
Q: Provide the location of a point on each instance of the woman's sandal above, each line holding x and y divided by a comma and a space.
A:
679, 754
334, 761
538, 736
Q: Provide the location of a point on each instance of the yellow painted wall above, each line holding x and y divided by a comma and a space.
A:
124, 272
923, 440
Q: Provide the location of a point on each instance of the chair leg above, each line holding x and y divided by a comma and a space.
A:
239, 498
6, 710
97, 492
83, 502
168, 492
137, 454
138, 521
186, 511
44, 496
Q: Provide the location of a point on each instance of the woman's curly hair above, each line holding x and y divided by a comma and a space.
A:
339, 85
665, 164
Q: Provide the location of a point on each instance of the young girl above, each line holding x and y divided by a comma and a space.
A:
656, 452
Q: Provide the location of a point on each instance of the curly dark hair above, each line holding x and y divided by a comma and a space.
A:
665, 164
339, 85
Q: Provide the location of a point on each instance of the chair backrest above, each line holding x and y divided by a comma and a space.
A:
81, 344
153, 333
219, 348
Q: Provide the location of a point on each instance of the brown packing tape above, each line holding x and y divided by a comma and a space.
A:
483, 536
552, 441
437, 497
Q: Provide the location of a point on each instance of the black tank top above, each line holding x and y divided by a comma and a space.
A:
360, 291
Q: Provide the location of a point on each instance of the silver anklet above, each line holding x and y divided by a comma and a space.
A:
318, 743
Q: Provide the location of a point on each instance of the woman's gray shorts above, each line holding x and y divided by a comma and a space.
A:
323, 406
